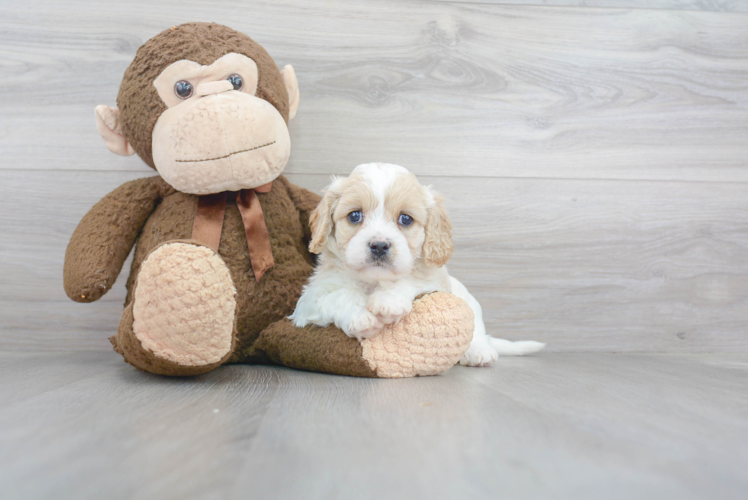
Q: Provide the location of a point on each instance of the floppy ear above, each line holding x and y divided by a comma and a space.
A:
321, 219
437, 246
109, 128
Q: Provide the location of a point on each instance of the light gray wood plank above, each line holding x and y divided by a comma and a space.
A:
635, 266
706, 5
458, 89
583, 265
184, 437
465, 440
28, 375
560, 426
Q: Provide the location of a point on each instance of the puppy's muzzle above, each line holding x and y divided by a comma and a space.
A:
379, 248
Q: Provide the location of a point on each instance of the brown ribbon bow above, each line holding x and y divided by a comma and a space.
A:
209, 222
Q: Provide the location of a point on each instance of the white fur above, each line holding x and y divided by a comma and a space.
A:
360, 298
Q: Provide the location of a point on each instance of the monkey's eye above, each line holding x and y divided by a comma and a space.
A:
236, 81
405, 220
183, 89
355, 217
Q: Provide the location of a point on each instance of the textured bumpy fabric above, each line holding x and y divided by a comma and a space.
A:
128, 345
258, 304
429, 340
184, 305
138, 101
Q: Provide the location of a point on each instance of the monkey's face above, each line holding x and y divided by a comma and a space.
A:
216, 134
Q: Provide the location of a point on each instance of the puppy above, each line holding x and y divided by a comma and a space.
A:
382, 240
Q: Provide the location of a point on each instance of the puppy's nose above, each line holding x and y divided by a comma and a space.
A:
379, 248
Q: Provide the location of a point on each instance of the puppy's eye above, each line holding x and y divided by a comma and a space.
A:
355, 217
183, 89
236, 81
405, 220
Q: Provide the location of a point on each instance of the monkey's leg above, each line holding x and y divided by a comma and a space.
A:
430, 340
181, 319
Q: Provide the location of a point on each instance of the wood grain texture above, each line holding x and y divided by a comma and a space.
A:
590, 426
594, 163
468, 89
706, 5
594, 159
581, 264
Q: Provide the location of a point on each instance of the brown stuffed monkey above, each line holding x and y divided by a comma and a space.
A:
221, 236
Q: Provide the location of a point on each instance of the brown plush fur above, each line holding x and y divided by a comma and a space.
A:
139, 103
319, 350
258, 304
167, 215
148, 213
104, 237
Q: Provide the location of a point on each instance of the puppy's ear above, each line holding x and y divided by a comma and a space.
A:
437, 246
321, 218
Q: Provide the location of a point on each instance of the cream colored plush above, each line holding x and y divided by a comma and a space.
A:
184, 305
216, 139
110, 129
253, 155
426, 342
198, 75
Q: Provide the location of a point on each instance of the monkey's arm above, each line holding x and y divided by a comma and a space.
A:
305, 202
104, 237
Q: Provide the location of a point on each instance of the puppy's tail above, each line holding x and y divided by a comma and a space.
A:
520, 348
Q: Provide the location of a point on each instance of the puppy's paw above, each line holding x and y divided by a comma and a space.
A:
363, 325
388, 307
480, 353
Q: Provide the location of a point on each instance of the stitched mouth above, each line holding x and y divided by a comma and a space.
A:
230, 154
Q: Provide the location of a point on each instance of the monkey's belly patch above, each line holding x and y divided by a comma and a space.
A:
184, 305
428, 341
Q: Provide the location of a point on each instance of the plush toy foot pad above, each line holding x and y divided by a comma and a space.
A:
184, 305
428, 341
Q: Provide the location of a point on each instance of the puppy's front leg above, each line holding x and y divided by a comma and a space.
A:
345, 308
358, 322
391, 301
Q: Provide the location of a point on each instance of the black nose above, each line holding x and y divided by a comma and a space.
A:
379, 248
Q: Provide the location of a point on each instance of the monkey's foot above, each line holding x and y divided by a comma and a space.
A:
184, 305
428, 341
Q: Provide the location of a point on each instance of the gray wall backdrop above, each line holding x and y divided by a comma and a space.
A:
593, 154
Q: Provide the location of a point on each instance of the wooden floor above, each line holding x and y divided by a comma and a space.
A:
581, 426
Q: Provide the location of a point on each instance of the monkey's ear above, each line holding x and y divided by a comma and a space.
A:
109, 128
292, 86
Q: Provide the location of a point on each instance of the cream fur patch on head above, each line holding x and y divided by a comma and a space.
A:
383, 193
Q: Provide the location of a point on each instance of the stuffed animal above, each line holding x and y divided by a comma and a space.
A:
221, 236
